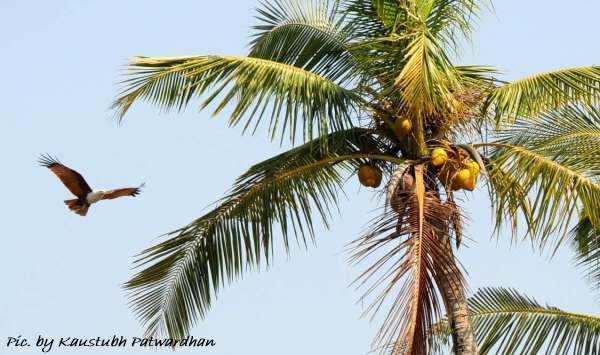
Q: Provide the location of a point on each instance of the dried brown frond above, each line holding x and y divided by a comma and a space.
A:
409, 255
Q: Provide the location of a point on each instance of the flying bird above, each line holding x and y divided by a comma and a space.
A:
80, 188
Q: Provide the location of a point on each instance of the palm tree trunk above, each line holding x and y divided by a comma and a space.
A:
463, 337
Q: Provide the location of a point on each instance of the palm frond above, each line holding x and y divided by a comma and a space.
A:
428, 78
586, 242
572, 132
372, 19
510, 200
404, 45
388, 12
305, 34
451, 20
477, 76
296, 97
544, 92
410, 260
182, 274
559, 188
508, 322
554, 159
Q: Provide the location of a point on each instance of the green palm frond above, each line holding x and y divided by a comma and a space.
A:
443, 18
544, 92
554, 159
572, 132
388, 12
585, 236
507, 322
296, 97
305, 34
558, 188
510, 201
586, 242
406, 248
182, 274
405, 48
450, 18
371, 19
477, 76
428, 78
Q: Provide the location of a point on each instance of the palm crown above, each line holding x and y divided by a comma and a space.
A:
371, 85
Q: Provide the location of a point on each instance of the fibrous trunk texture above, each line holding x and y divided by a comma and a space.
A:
463, 337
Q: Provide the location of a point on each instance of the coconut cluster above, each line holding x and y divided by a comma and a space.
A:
455, 170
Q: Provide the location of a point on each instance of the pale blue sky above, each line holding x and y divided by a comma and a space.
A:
61, 273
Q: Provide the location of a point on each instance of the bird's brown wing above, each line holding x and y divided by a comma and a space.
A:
69, 177
127, 191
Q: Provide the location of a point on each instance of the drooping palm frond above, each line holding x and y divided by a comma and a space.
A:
409, 259
586, 242
555, 160
182, 274
585, 236
509, 199
296, 97
507, 322
572, 132
305, 34
559, 188
545, 92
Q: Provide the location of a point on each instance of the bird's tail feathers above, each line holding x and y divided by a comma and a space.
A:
75, 206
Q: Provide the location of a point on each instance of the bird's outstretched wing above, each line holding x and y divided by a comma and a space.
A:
69, 177
127, 191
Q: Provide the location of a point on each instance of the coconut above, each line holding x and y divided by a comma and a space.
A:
461, 179
438, 156
470, 185
403, 125
369, 175
474, 169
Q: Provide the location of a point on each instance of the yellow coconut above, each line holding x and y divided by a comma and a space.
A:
474, 169
369, 175
461, 179
438, 156
470, 185
403, 125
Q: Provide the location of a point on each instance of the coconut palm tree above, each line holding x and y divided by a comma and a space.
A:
369, 88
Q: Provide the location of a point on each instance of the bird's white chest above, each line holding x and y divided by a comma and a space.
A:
94, 196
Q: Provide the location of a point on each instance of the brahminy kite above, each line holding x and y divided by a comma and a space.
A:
80, 188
